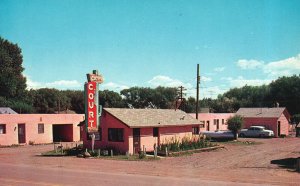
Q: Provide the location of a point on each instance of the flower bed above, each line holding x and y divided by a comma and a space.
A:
186, 144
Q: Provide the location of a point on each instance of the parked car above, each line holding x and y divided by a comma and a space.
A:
218, 134
256, 131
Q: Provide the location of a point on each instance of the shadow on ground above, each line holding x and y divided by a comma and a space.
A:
289, 163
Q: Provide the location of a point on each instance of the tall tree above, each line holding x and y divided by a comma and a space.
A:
286, 92
50, 100
140, 97
12, 82
110, 99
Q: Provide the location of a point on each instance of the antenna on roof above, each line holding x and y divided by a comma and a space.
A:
151, 106
130, 105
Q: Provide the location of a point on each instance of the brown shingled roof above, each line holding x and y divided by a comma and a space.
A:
136, 118
261, 112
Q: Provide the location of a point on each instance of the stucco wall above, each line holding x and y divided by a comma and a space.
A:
269, 123
11, 136
210, 117
108, 121
146, 135
284, 124
32, 134
31, 122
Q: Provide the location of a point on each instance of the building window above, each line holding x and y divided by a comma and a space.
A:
40, 128
195, 130
202, 124
98, 135
2, 129
155, 132
116, 134
216, 121
223, 122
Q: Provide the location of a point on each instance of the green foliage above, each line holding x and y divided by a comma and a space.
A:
235, 123
296, 118
76, 100
186, 143
160, 97
142, 155
110, 99
12, 82
18, 106
286, 91
50, 100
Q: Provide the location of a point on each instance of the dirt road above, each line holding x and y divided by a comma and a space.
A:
268, 163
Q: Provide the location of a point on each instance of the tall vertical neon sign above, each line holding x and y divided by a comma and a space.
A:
91, 101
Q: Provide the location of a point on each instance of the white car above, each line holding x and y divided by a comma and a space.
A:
256, 131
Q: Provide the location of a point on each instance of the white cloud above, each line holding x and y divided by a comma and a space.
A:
61, 84
165, 81
283, 67
240, 82
211, 92
274, 69
249, 64
219, 69
113, 86
205, 79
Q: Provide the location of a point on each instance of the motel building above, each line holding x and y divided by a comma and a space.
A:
131, 130
213, 121
275, 119
38, 128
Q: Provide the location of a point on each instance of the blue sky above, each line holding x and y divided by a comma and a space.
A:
151, 43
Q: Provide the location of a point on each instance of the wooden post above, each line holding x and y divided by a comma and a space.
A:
127, 154
298, 164
99, 152
166, 150
111, 153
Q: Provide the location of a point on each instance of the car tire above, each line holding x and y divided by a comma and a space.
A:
242, 135
261, 135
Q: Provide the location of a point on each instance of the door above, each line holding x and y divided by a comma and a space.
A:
207, 125
136, 140
21, 133
218, 126
278, 129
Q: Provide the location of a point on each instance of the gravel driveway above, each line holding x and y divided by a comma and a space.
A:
267, 163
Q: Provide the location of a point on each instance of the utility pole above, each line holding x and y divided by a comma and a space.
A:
180, 98
197, 96
181, 92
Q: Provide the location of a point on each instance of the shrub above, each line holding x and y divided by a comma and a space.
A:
142, 155
235, 124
